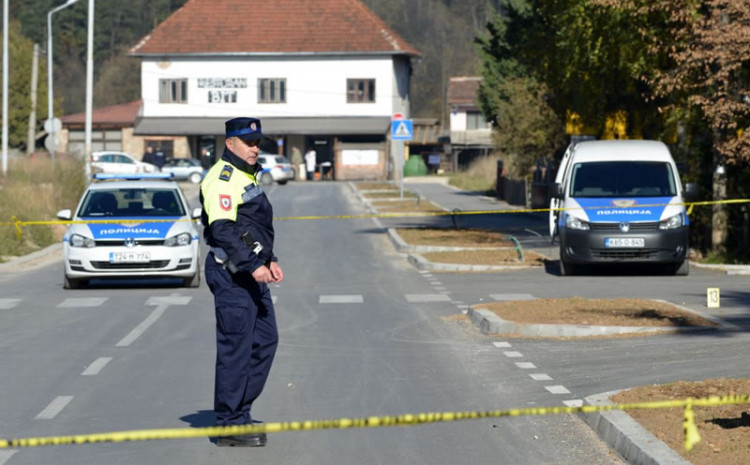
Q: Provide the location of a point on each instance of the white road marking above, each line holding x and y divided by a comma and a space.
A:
573, 403
341, 299
174, 299
5, 455
141, 328
463, 306
512, 354
55, 407
435, 282
273, 299
503, 297
97, 366
501, 345
78, 302
441, 288
540, 377
526, 365
7, 304
557, 389
426, 298
458, 302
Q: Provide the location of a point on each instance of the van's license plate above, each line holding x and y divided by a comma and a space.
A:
625, 242
129, 257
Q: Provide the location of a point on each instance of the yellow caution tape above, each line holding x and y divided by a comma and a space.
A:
691, 431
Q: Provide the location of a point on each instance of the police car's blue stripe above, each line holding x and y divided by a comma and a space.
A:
146, 229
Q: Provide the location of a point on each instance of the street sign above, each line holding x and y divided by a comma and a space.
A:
51, 143
402, 129
53, 125
398, 116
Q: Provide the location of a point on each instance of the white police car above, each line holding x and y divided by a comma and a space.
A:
132, 226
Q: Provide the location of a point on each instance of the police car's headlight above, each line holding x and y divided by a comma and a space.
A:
76, 240
672, 222
178, 240
572, 222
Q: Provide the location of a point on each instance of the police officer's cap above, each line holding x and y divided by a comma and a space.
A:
245, 128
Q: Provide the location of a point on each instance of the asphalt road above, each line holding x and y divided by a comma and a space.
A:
362, 333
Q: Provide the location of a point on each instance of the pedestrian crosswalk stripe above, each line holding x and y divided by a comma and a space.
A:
7, 304
341, 299
426, 298
526, 365
169, 300
557, 389
540, 377
78, 302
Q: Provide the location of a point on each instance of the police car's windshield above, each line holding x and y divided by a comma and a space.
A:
132, 202
623, 179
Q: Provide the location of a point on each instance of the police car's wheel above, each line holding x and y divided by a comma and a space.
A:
195, 281
70, 283
195, 178
266, 179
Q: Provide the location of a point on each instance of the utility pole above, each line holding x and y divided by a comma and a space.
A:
31, 140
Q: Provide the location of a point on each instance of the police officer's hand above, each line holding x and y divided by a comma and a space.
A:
263, 274
276, 272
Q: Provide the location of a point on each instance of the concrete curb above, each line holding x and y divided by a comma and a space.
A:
627, 437
738, 270
489, 323
38, 258
422, 263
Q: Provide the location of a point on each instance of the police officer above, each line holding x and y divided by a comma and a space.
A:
237, 217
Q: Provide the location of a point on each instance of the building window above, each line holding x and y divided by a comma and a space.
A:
475, 120
100, 140
360, 90
172, 90
271, 90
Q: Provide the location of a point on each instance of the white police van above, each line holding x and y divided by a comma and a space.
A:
131, 226
620, 202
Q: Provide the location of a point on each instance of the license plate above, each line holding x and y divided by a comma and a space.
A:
625, 242
129, 257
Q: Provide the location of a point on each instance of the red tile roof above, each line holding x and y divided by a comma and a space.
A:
272, 27
463, 90
121, 115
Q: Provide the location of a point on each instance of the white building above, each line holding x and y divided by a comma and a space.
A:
470, 133
327, 73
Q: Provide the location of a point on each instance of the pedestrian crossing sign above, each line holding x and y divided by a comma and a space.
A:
402, 129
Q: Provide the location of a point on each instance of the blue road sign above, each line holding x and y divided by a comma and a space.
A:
402, 129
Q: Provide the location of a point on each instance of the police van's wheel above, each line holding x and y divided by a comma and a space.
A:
566, 269
194, 281
195, 178
266, 179
683, 269
282, 182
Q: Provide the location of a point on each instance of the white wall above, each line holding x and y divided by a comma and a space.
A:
315, 86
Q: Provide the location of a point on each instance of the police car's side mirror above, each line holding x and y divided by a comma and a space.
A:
197, 213
556, 191
691, 191
65, 214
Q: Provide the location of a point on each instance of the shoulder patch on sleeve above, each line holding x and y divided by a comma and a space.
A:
226, 172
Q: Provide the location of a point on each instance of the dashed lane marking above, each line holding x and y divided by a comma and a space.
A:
426, 298
512, 354
96, 367
557, 389
174, 299
341, 299
141, 328
7, 304
540, 377
501, 344
573, 403
526, 365
79, 302
55, 407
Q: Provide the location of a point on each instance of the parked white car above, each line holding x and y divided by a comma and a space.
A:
275, 168
133, 228
119, 162
184, 169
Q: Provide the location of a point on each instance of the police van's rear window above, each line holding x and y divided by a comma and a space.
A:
622, 179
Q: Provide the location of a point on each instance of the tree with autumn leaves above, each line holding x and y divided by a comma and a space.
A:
679, 70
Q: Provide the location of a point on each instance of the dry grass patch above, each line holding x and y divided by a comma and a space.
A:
373, 186
486, 257
453, 237
724, 430
393, 194
402, 206
603, 312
